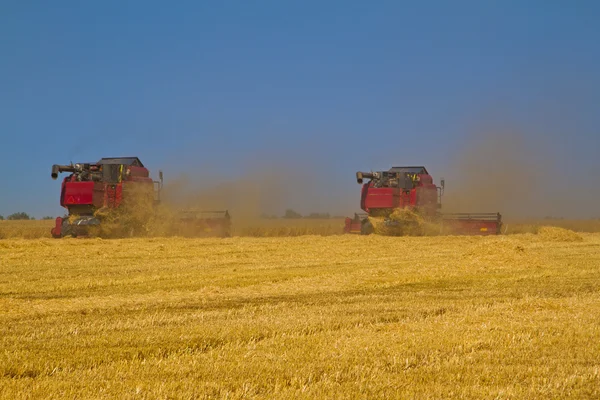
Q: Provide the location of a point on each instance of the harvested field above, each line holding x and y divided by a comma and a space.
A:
311, 317
299, 227
288, 227
253, 228
533, 225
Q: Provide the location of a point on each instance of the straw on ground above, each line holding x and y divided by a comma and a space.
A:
313, 317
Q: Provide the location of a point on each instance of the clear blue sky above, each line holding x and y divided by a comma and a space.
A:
329, 87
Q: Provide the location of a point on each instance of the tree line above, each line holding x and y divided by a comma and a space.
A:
23, 216
289, 214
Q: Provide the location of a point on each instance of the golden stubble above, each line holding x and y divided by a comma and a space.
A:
314, 317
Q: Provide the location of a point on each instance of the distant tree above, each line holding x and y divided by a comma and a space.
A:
19, 215
291, 214
1, 218
47, 217
315, 215
268, 216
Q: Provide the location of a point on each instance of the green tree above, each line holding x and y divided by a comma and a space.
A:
19, 215
289, 213
315, 215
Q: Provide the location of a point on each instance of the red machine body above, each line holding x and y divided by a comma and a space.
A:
412, 188
93, 191
400, 187
100, 186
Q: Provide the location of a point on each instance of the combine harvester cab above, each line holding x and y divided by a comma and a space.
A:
93, 191
405, 201
119, 192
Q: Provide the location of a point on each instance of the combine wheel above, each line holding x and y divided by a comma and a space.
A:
366, 227
67, 229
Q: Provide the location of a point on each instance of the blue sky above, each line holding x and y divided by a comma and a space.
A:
327, 88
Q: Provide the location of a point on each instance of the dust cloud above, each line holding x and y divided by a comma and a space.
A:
511, 172
257, 192
498, 169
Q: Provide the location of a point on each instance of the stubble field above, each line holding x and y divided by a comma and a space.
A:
281, 227
512, 316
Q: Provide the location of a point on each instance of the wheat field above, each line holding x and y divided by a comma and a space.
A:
37, 229
514, 316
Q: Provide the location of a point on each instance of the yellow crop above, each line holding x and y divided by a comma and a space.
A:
161, 226
301, 317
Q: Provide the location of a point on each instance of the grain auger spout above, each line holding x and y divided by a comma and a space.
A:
57, 169
361, 176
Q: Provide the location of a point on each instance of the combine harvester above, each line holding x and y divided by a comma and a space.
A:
120, 190
404, 200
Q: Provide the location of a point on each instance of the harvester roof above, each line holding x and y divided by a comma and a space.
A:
122, 161
410, 170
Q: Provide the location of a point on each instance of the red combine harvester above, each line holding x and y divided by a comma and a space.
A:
412, 188
94, 191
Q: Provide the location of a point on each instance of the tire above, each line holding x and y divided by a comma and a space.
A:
67, 229
366, 227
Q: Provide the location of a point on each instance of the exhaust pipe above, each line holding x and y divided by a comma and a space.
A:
56, 169
363, 175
